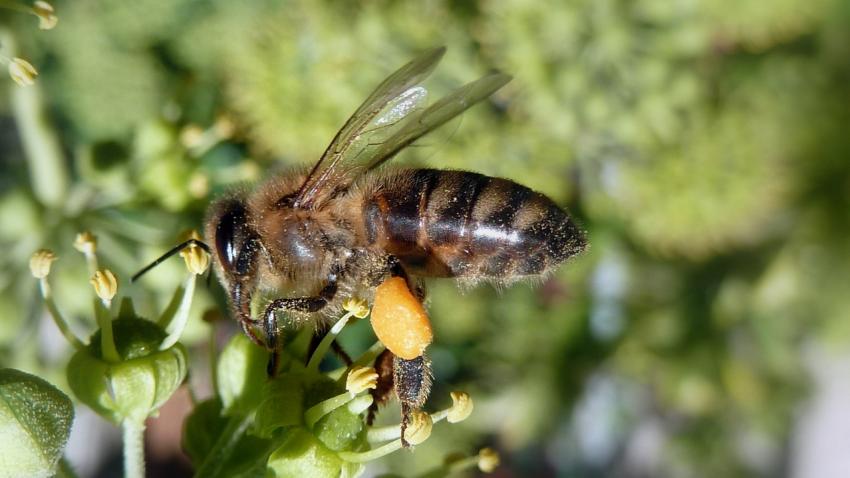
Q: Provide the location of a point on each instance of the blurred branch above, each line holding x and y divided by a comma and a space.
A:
48, 171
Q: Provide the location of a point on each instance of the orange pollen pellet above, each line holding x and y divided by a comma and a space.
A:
399, 320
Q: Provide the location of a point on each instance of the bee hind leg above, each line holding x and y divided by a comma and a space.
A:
411, 381
412, 384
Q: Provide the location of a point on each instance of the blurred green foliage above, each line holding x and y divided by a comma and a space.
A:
703, 144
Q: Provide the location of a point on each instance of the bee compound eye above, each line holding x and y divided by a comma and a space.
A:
229, 234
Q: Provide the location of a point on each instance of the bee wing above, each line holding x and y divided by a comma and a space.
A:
336, 164
423, 121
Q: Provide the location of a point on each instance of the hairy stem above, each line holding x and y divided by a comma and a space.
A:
134, 449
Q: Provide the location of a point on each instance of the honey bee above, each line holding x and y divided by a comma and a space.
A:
339, 229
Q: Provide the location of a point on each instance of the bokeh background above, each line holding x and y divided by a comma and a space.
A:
704, 145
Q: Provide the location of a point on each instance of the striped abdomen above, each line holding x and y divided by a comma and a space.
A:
459, 224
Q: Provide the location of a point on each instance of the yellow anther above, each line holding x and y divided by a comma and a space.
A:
47, 18
86, 243
419, 428
40, 262
22, 72
105, 284
358, 307
461, 407
360, 379
488, 460
197, 260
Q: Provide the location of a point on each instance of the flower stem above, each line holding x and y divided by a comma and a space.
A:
15, 6
451, 468
57, 316
317, 411
325, 344
134, 449
366, 358
48, 170
107, 340
373, 454
176, 315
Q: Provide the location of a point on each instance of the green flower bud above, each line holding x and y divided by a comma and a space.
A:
135, 387
302, 455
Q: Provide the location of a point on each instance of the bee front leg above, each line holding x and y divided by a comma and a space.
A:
298, 304
241, 300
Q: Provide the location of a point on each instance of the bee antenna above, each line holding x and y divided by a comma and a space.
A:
174, 250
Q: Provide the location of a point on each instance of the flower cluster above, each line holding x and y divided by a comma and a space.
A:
130, 366
301, 422
22, 71
304, 422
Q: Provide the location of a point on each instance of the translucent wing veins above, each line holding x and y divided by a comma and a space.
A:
405, 77
390, 119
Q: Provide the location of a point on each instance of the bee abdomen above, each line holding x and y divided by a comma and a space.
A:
460, 224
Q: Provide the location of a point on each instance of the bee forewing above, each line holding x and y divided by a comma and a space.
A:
423, 122
333, 166
359, 155
401, 106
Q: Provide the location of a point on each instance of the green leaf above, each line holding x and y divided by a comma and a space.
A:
35, 421
202, 428
241, 375
220, 447
282, 405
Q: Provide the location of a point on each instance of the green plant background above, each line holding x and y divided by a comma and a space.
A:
702, 144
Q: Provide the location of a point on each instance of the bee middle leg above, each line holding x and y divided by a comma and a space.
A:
384, 388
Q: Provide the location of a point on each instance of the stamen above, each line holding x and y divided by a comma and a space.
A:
105, 285
86, 243
40, 267
325, 344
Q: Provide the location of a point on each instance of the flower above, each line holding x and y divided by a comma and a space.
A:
358, 307
47, 18
488, 460
197, 260
22, 72
86, 243
461, 407
419, 428
40, 263
360, 379
105, 284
